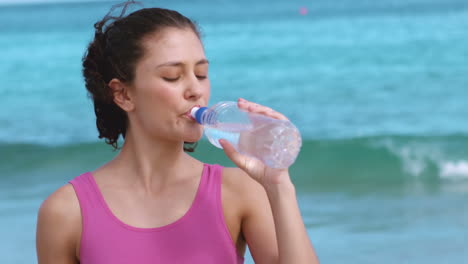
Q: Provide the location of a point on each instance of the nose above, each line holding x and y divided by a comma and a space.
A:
195, 88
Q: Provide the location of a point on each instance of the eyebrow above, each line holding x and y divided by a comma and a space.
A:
177, 63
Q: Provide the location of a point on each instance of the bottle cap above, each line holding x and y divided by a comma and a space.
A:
197, 112
193, 112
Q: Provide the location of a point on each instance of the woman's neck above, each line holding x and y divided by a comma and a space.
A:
153, 164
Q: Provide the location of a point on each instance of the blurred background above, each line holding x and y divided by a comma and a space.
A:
378, 89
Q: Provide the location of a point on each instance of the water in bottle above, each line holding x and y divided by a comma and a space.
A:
275, 142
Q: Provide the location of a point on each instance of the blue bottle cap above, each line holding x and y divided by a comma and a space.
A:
199, 113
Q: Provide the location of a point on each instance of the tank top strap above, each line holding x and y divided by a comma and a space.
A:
206, 206
213, 186
210, 215
86, 194
211, 180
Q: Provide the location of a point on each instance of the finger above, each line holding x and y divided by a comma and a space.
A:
251, 166
275, 115
251, 106
232, 154
243, 104
259, 109
255, 108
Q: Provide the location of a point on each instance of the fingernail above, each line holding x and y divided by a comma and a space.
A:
242, 100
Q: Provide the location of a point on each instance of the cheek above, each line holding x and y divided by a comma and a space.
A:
207, 90
152, 106
155, 97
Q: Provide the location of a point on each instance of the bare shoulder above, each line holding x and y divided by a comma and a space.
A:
244, 189
59, 227
240, 182
62, 204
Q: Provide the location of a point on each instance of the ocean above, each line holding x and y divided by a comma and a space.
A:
378, 89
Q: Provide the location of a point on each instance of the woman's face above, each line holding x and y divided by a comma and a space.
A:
170, 79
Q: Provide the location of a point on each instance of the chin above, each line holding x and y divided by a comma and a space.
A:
193, 136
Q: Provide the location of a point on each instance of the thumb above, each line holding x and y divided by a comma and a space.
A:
233, 154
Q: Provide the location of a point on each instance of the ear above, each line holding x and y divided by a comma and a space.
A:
121, 95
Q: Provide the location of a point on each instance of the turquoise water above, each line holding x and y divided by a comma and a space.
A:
377, 89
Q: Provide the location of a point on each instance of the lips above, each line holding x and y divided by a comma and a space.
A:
188, 113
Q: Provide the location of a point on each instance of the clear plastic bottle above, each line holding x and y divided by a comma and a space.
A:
275, 142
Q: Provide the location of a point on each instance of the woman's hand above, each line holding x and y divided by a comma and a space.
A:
294, 245
255, 168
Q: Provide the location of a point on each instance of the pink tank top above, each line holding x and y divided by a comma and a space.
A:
200, 236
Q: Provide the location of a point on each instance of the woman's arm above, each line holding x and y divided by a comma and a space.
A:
58, 228
294, 245
272, 224
274, 210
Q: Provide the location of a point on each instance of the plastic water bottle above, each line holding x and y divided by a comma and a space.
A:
275, 142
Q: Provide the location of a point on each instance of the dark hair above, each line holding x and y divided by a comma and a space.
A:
114, 53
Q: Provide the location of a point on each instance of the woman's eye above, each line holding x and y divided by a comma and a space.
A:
201, 77
171, 79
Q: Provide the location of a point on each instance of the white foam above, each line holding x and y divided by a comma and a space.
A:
415, 156
454, 169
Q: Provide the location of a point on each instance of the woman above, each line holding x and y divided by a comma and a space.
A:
154, 203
